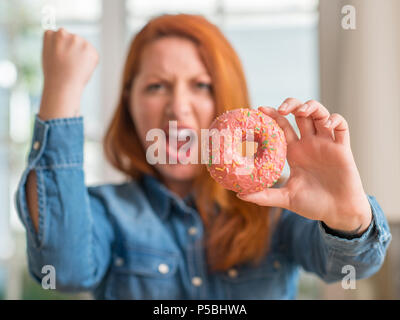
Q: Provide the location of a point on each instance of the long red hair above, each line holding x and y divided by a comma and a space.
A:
240, 231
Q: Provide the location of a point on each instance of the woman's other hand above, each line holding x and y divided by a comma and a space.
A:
68, 63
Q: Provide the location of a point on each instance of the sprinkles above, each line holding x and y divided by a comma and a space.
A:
249, 174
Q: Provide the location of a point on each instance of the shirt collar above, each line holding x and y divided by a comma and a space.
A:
160, 197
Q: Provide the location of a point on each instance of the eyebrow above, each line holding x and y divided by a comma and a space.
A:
163, 75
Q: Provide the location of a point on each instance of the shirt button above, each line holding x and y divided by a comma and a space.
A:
277, 264
36, 145
163, 268
119, 262
197, 281
232, 273
192, 231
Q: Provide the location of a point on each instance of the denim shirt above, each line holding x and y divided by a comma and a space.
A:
137, 240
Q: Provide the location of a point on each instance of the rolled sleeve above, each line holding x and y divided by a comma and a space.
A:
316, 250
49, 149
365, 253
377, 233
74, 233
57, 142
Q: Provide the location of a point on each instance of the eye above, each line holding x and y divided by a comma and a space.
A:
203, 85
154, 86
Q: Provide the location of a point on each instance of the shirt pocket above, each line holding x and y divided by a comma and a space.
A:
144, 273
267, 280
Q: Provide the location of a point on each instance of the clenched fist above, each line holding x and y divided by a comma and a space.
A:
68, 63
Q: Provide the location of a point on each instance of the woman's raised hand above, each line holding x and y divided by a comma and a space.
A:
68, 63
324, 182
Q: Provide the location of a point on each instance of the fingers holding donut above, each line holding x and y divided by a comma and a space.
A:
303, 119
313, 118
340, 128
284, 123
332, 126
289, 105
319, 116
310, 117
301, 112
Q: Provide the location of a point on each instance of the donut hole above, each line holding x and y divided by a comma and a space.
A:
247, 148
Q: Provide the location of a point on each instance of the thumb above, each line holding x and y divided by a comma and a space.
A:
271, 197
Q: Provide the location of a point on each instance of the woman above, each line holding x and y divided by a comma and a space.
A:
171, 232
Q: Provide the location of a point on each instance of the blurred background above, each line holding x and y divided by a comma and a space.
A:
289, 48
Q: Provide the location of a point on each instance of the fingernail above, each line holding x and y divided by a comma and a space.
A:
328, 124
303, 108
283, 107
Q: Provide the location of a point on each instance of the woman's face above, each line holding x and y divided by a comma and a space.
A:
172, 84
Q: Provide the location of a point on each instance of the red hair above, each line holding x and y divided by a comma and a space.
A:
240, 231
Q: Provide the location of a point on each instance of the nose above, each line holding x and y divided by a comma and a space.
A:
179, 103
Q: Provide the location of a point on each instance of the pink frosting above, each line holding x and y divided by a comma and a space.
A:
246, 174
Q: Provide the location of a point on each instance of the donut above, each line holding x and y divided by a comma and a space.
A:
238, 172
